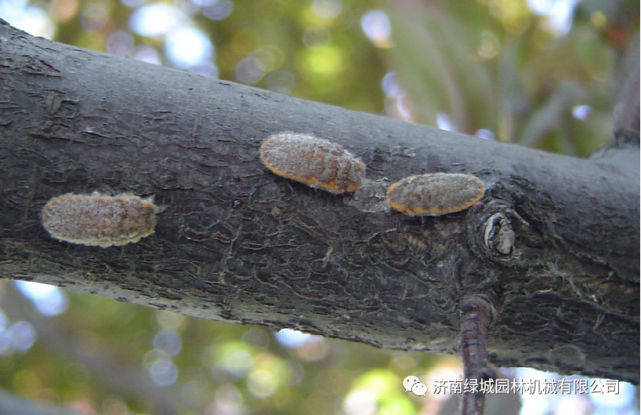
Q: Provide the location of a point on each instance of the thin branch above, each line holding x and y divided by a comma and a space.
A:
477, 313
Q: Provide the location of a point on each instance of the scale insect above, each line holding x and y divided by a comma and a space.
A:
99, 220
314, 161
435, 194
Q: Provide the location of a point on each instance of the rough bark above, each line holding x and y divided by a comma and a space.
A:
555, 247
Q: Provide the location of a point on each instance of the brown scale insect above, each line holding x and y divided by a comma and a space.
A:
98, 220
435, 194
314, 161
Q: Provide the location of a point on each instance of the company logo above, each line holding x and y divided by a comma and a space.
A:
414, 385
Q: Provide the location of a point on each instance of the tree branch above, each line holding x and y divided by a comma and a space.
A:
477, 314
556, 245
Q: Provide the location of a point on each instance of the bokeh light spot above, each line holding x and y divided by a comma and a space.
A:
156, 19
445, 122
188, 46
490, 45
94, 16
325, 61
280, 81
327, 9
250, 70
292, 338
581, 112
64, 10
485, 134
119, 43
163, 372
31, 19
22, 335
146, 54
168, 342
48, 300
377, 28
216, 9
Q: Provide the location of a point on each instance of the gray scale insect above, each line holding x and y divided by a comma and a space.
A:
435, 194
98, 220
314, 161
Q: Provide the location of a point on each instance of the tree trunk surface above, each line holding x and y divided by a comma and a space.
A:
554, 244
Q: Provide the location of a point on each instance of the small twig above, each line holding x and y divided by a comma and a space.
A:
477, 313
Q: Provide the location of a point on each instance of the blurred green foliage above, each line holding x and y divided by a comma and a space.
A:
482, 65
495, 65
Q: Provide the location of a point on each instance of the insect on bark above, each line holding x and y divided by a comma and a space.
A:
98, 220
314, 161
435, 194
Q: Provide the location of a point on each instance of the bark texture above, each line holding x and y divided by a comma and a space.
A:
555, 246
